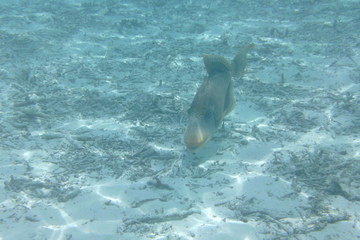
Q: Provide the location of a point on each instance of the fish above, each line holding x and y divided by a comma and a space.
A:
214, 99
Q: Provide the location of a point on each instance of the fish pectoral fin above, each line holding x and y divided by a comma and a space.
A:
216, 64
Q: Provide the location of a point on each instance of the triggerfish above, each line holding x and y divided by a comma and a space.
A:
214, 98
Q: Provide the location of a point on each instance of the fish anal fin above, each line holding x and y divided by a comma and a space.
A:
229, 102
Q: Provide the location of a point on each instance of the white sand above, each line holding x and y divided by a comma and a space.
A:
91, 143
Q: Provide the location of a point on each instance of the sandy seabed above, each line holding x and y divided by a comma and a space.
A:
93, 107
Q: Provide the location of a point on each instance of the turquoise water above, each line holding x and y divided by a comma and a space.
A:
93, 109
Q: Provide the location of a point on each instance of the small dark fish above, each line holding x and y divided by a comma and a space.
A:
214, 99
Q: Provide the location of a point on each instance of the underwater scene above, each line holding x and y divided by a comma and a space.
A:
179, 120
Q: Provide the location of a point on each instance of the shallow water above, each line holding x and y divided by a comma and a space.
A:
93, 108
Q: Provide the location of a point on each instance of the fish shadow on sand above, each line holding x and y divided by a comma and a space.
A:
203, 154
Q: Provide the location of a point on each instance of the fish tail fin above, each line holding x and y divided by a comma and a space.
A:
239, 61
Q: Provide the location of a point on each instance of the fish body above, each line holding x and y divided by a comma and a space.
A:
214, 98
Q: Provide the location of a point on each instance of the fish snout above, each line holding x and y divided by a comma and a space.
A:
197, 134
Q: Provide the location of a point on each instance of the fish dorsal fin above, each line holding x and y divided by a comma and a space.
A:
216, 64
239, 61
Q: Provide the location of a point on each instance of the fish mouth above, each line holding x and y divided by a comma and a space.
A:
196, 135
